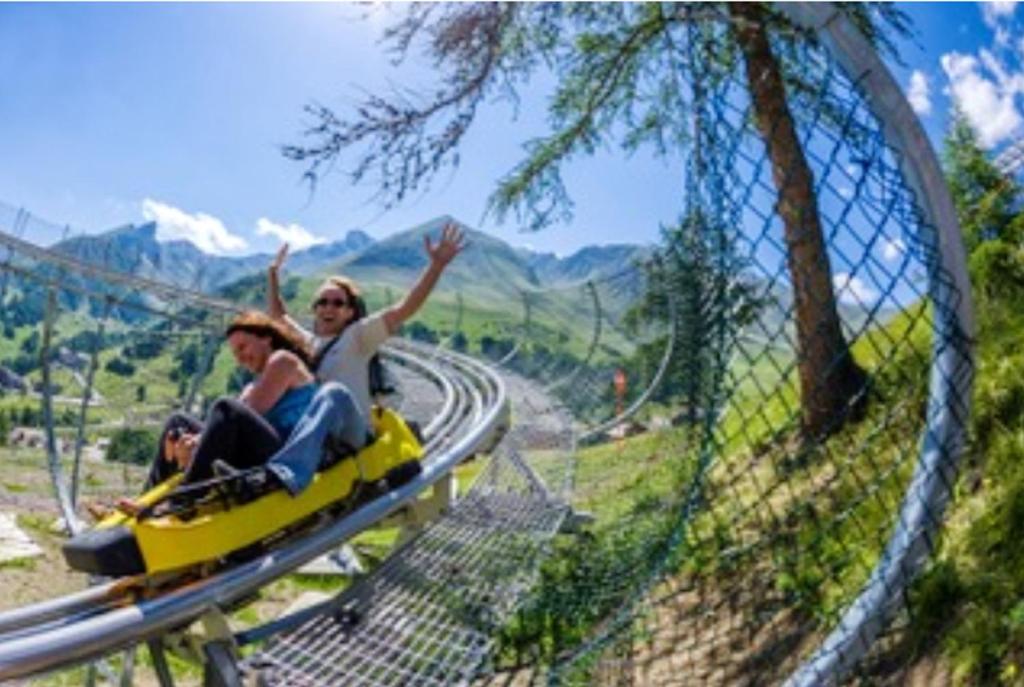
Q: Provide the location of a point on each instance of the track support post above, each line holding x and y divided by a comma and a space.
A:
221, 666
419, 513
219, 651
159, 657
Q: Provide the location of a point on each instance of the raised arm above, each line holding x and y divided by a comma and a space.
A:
275, 305
451, 244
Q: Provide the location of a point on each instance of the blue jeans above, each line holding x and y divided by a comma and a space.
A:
332, 413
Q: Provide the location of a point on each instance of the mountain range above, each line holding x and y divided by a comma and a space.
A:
490, 271
134, 249
489, 266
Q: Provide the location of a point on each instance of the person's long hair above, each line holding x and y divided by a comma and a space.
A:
282, 337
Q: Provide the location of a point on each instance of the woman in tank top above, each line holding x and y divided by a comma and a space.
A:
245, 431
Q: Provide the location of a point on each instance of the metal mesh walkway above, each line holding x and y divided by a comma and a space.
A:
431, 610
779, 497
430, 614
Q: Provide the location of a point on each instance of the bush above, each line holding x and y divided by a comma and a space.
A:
85, 341
145, 348
187, 360
494, 347
237, 380
29, 416
120, 367
418, 331
31, 343
23, 363
133, 445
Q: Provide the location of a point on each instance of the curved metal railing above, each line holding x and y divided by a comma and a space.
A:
98, 621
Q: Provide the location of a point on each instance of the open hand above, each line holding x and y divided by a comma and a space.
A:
451, 244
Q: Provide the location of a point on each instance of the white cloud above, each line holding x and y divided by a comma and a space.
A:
892, 250
919, 93
985, 92
296, 236
205, 231
853, 290
1006, 80
992, 12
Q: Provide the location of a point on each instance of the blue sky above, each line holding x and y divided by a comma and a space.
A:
118, 113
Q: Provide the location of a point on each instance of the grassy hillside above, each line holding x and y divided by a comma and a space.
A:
969, 607
803, 526
790, 533
558, 319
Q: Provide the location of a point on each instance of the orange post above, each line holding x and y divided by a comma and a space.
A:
619, 380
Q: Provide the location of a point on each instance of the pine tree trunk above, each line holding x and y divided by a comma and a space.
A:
831, 383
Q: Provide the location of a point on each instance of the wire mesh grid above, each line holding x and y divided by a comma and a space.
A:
727, 549
110, 354
752, 535
777, 529
429, 614
485, 554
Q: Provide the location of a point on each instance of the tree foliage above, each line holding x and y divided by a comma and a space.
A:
626, 73
969, 601
120, 367
694, 284
986, 200
988, 208
133, 445
622, 74
146, 347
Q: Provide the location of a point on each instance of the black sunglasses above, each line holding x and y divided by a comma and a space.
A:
336, 302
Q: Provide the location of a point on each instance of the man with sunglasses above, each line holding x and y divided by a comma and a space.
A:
345, 339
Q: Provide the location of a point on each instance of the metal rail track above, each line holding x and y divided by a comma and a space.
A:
100, 620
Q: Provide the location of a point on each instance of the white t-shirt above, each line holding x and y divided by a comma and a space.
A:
348, 361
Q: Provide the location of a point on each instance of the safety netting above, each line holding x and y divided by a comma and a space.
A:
729, 456
95, 356
760, 514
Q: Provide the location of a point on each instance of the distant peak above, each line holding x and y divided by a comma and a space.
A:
145, 231
358, 237
438, 222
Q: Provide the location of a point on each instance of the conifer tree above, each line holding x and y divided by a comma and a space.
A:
987, 202
621, 71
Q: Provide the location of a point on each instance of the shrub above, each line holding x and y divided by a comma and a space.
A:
133, 445
421, 332
145, 349
120, 367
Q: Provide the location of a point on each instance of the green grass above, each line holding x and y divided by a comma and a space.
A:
969, 606
18, 564
185, 672
805, 524
38, 523
829, 509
